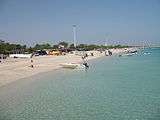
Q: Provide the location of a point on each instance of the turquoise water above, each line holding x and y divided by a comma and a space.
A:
113, 88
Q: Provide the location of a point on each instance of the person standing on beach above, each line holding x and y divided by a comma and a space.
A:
31, 64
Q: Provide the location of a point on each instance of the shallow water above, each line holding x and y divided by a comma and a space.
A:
113, 88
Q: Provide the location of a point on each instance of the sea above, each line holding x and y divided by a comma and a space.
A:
112, 88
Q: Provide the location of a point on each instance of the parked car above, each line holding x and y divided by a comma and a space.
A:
55, 52
40, 52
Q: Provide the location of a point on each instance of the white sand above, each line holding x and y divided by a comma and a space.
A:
13, 69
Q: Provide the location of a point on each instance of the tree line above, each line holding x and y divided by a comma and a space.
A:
6, 47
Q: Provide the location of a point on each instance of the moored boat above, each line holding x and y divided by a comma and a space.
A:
74, 65
146, 53
133, 52
123, 55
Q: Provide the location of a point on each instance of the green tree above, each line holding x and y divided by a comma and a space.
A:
2, 47
2, 42
55, 46
82, 46
65, 44
18, 46
72, 46
37, 47
47, 46
30, 50
42, 46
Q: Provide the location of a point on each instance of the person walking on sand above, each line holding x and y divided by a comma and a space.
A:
31, 64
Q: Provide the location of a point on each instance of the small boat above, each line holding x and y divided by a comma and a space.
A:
123, 55
146, 53
74, 65
133, 51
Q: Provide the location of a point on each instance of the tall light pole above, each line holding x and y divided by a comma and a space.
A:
74, 35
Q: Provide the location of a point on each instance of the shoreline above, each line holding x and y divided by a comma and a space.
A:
15, 69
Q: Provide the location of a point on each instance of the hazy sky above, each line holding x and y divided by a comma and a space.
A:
126, 22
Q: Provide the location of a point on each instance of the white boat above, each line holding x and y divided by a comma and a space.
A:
146, 53
123, 55
74, 65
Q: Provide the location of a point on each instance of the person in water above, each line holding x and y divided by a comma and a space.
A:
86, 65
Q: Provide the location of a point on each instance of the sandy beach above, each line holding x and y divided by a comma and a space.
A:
13, 69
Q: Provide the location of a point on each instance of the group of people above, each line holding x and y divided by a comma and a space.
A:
85, 55
2, 57
108, 52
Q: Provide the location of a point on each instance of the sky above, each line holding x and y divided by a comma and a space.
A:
125, 22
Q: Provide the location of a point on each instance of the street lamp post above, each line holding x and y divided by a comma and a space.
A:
74, 35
